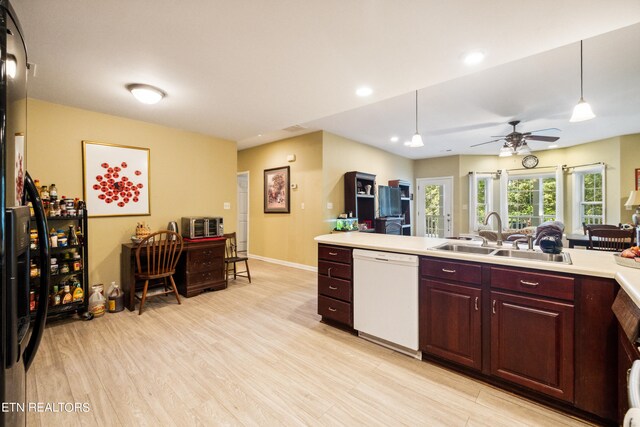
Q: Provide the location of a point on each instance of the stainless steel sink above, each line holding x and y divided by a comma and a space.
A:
563, 258
533, 255
452, 247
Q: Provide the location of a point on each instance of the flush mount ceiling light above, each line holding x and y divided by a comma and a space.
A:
582, 111
145, 93
473, 58
416, 140
364, 91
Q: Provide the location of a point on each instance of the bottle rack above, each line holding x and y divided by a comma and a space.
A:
82, 275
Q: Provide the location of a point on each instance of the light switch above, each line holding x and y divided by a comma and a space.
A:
329, 205
227, 205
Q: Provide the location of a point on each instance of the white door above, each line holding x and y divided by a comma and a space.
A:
242, 234
434, 207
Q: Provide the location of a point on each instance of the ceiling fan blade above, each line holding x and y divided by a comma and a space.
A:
544, 130
499, 136
483, 143
542, 138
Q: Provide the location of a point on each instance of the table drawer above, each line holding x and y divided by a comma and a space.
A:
333, 269
335, 254
204, 277
458, 271
334, 309
549, 285
335, 288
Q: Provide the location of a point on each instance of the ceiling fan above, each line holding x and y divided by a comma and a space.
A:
516, 142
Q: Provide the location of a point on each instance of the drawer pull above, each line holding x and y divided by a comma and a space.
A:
333, 288
476, 304
332, 309
448, 271
529, 284
329, 272
333, 253
493, 307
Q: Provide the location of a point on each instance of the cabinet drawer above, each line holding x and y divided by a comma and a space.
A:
458, 271
332, 269
334, 309
333, 253
549, 285
334, 288
213, 275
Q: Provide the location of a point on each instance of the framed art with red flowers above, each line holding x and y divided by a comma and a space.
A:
637, 179
115, 179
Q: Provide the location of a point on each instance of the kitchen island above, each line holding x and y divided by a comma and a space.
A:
541, 329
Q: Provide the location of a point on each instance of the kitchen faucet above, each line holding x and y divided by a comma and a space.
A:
486, 221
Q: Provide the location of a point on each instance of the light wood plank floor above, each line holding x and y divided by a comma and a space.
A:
253, 354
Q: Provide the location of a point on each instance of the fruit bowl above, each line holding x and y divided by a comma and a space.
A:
136, 240
627, 262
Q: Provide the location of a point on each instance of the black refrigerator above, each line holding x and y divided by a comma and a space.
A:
20, 331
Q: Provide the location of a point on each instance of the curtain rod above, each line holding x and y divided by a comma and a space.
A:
537, 167
486, 173
565, 167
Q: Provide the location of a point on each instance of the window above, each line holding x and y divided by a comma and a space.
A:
531, 200
480, 199
589, 193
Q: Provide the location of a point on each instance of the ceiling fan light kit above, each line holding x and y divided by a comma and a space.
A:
516, 142
505, 151
582, 111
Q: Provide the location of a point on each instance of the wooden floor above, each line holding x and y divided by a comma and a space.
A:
253, 354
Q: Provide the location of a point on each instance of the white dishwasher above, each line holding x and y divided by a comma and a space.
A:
385, 299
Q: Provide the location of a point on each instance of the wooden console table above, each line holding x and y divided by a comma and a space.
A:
200, 268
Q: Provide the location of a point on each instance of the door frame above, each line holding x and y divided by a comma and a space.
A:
447, 182
247, 173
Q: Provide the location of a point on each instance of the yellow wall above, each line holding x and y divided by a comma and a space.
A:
341, 155
191, 174
629, 162
286, 237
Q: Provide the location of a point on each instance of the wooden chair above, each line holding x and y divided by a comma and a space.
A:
608, 239
231, 257
586, 227
156, 258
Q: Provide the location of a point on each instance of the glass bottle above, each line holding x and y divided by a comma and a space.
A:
55, 296
63, 206
72, 237
44, 193
36, 182
54, 208
53, 192
78, 292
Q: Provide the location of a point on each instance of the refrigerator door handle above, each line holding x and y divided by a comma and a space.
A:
45, 271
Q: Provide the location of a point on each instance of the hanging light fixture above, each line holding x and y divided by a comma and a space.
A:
416, 141
582, 111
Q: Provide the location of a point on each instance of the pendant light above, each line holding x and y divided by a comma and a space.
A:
582, 111
416, 141
523, 149
505, 151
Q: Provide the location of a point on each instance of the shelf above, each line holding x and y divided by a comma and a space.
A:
63, 308
57, 249
55, 276
61, 218
365, 196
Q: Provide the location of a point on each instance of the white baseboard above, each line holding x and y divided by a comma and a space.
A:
285, 263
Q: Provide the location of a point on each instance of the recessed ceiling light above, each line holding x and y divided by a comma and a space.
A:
145, 93
553, 146
364, 91
260, 135
394, 139
474, 58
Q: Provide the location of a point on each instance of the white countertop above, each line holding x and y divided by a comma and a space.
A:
584, 262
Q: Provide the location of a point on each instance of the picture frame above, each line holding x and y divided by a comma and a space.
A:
116, 179
637, 179
276, 190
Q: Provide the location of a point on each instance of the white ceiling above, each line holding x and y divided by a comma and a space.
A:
236, 69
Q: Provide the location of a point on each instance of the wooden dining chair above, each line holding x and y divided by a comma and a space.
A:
611, 240
231, 259
586, 227
156, 260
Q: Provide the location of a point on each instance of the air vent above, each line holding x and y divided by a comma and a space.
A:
295, 128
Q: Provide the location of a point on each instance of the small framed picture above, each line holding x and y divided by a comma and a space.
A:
637, 179
116, 179
276, 190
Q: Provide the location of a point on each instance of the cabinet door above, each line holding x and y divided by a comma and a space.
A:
450, 319
532, 343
